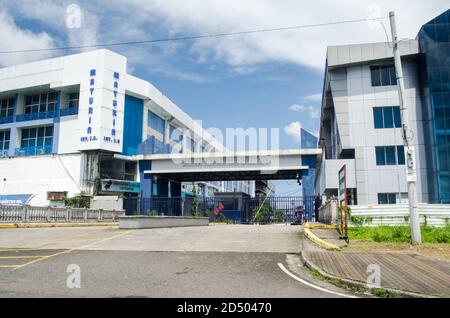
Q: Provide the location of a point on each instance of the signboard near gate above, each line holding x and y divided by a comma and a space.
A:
343, 202
118, 186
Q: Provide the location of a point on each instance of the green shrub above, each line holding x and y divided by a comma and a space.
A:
279, 216
263, 213
399, 234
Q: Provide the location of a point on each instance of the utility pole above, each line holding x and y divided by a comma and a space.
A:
407, 135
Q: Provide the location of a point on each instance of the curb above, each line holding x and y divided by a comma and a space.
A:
328, 246
53, 225
322, 227
354, 283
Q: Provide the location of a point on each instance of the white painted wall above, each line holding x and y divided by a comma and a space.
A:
39, 175
68, 136
362, 135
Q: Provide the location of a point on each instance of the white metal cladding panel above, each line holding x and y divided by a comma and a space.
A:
398, 214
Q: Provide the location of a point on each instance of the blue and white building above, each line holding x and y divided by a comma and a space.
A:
72, 125
361, 118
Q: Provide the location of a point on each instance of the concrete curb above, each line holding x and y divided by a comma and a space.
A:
50, 225
321, 227
354, 283
310, 235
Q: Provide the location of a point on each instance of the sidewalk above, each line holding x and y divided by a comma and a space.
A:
405, 272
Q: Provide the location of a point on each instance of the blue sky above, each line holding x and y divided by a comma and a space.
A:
270, 80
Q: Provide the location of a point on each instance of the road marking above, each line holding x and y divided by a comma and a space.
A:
21, 257
281, 266
42, 244
104, 240
8, 266
41, 259
69, 251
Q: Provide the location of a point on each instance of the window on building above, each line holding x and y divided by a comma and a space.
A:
387, 117
130, 171
175, 134
390, 155
155, 122
37, 137
74, 99
4, 139
387, 198
40, 103
6, 107
383, 75
191, 144
392, 198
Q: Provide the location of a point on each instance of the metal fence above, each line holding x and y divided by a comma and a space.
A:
398, 214
243, 210
29, 214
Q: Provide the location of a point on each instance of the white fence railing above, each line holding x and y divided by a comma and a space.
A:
30, 214
398, 214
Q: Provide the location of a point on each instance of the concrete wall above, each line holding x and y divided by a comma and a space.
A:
150, 222
39, 175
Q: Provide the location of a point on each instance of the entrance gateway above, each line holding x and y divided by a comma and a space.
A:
161, 176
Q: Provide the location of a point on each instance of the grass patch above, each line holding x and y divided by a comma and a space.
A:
399, 234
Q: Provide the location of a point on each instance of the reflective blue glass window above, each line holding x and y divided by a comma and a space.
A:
382, 198
381, 158
387, 198
155, 122
401, 155
388, 117
4, 140
383, 75
397, 117
37, 137
378, 117
390, 156
375, 76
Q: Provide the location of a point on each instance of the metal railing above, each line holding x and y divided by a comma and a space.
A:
245, 210
6, 119
36, 116
30, 214
34, 151
68, 111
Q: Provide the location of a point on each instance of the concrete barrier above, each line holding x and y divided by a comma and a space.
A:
151, 222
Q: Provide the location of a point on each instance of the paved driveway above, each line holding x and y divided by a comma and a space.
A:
214, 261
214, 238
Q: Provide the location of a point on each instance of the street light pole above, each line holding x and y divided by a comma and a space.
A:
407, 135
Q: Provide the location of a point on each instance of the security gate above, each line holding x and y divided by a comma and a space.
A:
243, 210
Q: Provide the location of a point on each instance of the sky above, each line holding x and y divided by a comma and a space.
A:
265, 80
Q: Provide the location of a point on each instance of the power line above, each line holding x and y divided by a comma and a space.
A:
192, 37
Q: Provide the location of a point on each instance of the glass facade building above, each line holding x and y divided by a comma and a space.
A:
434, 41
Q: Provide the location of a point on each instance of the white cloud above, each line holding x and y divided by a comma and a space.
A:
111, 21
313, 112
297, 108
306, 47
293, 131
314, 97
13, 38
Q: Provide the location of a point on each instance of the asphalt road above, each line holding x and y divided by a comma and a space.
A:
30, 267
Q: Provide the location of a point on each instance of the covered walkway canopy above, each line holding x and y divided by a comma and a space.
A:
225, 166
